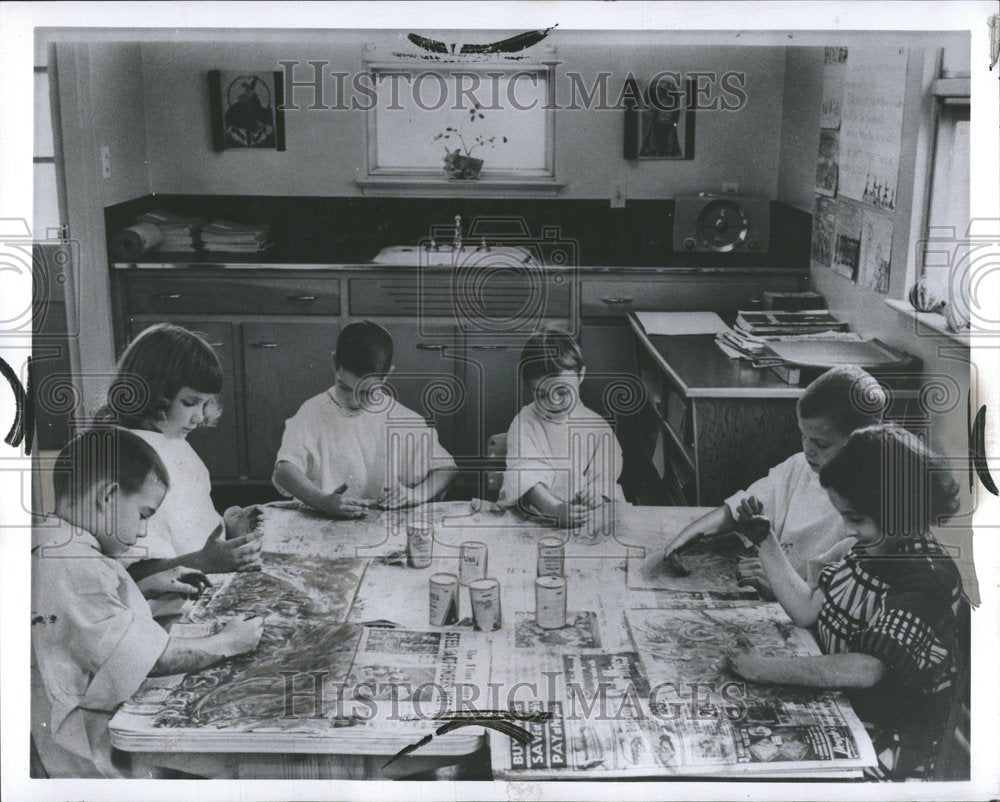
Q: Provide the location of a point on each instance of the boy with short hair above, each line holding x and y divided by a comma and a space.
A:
352, 446
93, 636
563, 460
805, 523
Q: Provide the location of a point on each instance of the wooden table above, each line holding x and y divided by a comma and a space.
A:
301, 746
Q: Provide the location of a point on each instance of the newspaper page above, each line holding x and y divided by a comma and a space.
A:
668, 707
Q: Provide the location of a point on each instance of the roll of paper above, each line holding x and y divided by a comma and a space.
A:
134, 241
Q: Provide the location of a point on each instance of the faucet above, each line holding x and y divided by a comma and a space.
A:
457, 243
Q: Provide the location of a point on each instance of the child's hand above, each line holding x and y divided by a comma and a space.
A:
749, 665
337, 505
221, 556
241, 635
599, 522
571, 515
179, 579
242, 521
398, 497
751, 523
750, 572
589, 497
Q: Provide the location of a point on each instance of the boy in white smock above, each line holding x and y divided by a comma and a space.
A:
353, 446
93, 637
563, 459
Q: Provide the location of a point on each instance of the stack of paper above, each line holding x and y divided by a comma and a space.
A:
763, 324
738, 345
178, 230
223, 235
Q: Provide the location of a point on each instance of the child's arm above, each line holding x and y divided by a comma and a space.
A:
800, 600
848, 670
193, 654
566, 513
217, 556
711, 523
291, 478
435, 483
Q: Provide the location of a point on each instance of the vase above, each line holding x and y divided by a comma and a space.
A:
462, 167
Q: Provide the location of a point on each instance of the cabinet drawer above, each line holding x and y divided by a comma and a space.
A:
219, 295
717, 291
481, 298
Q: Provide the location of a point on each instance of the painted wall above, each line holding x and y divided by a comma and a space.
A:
326, 148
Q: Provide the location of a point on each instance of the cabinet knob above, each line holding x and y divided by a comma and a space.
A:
263, 345
618, 300
301, 297
430, 347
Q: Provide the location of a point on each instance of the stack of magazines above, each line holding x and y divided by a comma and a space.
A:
178, 230
753, 330
222, 235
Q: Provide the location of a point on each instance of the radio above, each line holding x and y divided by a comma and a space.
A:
705, 223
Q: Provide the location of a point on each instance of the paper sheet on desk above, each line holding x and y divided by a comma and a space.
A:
673, 323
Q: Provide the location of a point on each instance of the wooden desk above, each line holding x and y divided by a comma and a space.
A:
211, 723
713, 425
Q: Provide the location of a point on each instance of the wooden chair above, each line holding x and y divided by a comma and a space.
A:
952, 759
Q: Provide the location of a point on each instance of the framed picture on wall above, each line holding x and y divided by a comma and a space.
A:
247, 110
659, 121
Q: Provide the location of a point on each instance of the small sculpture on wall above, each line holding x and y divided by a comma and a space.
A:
247, 110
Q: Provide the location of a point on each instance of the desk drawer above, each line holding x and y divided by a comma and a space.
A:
219, 295
670, 293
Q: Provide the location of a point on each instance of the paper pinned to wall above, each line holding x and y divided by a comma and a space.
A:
824, 224
872, 124
834, 64
827, 163
876, 250
847, 239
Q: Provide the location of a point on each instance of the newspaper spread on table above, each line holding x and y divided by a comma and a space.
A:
667, 705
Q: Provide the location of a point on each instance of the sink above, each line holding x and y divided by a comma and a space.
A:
448, 255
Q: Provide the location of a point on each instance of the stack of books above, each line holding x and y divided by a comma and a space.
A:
737, 345
222, 235
178, 230
809, 321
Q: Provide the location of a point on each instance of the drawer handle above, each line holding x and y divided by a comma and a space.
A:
618, 300
301, 297
490, 348
205, 338
263, 345
165, 296
430, 347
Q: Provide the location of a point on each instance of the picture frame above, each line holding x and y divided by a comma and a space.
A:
659, 119
247, 110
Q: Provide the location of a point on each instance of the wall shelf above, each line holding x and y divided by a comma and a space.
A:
932, 320
431, 187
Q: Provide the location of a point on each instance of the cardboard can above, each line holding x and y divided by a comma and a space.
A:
485, 597
443, 600
550, 602
419, 544
472, 561
551, 556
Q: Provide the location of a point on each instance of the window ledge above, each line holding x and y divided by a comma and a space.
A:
459, 188
932, 320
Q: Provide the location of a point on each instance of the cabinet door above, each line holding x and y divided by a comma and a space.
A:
429, 378
494, 386
611, 386
284, 365
218, 446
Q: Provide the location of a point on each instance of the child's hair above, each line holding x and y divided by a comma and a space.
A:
106, 454
891, 476
548, 353
159, 362
847, 396
363, 348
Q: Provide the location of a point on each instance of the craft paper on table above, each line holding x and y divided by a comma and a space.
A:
847, 240
876, 250
823, 229
834, 61
675, 323
712, 567
827, 163
872, 124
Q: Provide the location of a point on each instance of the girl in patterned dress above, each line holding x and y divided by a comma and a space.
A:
888, 613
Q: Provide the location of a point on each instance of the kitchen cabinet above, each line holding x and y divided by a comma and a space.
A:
284, 364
